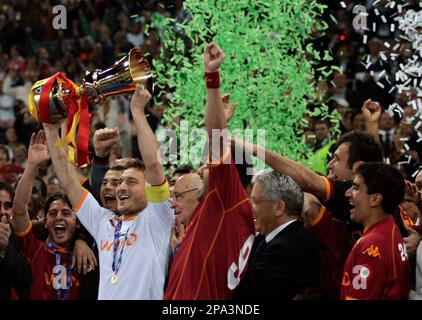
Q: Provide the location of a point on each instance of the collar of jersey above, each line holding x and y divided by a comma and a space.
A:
129, 217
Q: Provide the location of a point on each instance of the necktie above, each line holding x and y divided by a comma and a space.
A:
259, 249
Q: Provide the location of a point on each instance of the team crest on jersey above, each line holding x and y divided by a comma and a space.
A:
372, 251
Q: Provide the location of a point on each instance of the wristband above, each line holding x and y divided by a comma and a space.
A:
212, 80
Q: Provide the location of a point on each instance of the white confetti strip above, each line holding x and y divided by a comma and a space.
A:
343, 5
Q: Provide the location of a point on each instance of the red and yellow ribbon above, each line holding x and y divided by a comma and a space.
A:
78, 119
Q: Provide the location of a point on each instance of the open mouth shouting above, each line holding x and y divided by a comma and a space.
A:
109, 200
60, 230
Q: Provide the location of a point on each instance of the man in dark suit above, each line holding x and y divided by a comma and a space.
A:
14, 271
284, 259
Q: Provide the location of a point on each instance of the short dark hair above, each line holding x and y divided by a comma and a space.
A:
362, 147
54, 197
8, 188
117, 168
183, 169
136, 164
386, 180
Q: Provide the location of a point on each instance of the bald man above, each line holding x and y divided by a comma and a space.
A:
186, 193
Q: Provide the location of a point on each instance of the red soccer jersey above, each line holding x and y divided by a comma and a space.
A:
46, 276
217, 243
377, 267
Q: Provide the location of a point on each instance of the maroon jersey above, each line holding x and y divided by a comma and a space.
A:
334, 244
46, 276
377, 267
213, 255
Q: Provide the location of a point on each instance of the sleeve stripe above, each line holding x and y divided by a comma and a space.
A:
328, 192
318, 218
157, 194
81, 201
24, 232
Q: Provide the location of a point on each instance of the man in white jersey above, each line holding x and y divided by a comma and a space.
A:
133, 249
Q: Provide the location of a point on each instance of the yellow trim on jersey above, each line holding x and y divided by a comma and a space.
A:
318, 217
350, 298
24, 232
81, 201
156, 194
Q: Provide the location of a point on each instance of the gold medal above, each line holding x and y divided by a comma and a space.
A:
114, 279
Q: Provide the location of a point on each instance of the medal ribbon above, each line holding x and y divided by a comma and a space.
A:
59, 295
116, 265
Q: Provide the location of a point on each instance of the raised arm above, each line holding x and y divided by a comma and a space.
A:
62, 166
372, 113
215, 116
37, 156
103, 140
308, 180
147, 142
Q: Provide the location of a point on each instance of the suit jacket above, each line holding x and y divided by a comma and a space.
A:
287, 265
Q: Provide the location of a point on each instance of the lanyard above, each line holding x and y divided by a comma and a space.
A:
116, 265
66, 291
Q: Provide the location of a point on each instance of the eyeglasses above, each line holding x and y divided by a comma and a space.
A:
177, 195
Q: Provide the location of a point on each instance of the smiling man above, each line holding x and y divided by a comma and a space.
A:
284, 259
215, 210
133, 248
377, 267
53, 276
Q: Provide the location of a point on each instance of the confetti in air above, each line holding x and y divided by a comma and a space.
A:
269, 68
405, 22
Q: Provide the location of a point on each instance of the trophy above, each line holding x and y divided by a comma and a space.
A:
57, 98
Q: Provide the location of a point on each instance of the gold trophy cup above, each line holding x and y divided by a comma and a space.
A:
119, 79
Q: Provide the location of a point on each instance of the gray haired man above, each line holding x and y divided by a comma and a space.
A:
284, 259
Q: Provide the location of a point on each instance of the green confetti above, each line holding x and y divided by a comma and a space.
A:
269, 66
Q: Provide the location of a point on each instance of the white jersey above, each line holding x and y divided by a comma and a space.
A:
145, 257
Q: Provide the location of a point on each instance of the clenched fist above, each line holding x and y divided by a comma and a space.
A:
371, 111
140, 99
213, 57
104, 139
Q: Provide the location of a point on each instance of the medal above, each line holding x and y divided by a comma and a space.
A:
116, 264
114, 279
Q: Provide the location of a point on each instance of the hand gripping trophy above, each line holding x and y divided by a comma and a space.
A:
56, 98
